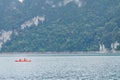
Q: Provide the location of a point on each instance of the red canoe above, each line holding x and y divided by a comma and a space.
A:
24, 60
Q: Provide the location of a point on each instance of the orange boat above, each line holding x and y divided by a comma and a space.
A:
23, 60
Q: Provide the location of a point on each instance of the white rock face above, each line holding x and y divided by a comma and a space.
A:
34, 21
114, 46
4, 37
21, 1
103, 49
63, 3
77, 2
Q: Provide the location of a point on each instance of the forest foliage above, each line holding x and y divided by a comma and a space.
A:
67, 28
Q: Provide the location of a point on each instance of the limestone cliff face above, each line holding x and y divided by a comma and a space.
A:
34, 21
4, 37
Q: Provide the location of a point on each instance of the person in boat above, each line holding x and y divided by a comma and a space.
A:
20, 60
25, 59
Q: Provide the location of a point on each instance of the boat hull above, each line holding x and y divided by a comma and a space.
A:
22, 61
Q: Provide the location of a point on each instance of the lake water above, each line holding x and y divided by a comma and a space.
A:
60, 68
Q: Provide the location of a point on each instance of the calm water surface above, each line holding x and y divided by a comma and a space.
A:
61, 68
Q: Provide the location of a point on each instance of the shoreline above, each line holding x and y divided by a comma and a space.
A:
35, 54
79, 52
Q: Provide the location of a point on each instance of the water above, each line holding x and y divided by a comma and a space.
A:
60, 68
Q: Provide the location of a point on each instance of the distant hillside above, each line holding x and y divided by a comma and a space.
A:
59, 25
